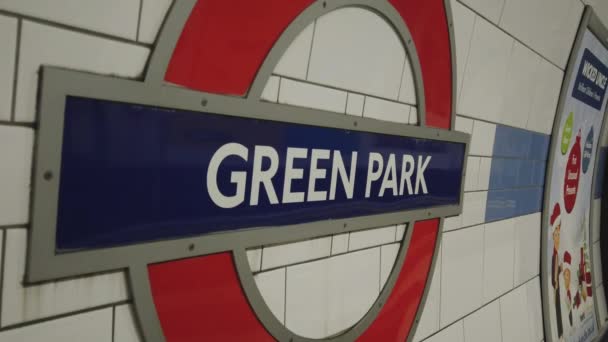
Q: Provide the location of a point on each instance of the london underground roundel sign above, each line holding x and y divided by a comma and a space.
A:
174, 177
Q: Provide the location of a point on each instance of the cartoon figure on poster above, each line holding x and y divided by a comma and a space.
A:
573, 302
570, 271
556, 267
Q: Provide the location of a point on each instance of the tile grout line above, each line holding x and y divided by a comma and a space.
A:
468, 116
16, 70
502, 12
75, 29
464, 336
508, 34
461, 318
402, 73
62, 316
14, 226
285, 300
486, 222
261, 258
466, 67
347, 243
279, 89
500, 317
312, 41
32, 125
141, 6
113, 323
327, 86
346, 108
329, 256
530, 111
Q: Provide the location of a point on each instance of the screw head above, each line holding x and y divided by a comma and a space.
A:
191, 247
48, 175
204, 102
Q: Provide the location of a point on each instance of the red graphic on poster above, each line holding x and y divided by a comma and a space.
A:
573, 172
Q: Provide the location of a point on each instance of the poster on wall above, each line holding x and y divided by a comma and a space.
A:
567, 270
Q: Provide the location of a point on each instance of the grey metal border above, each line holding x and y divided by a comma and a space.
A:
591, 22
596, 27
450, 21
595, 214
45, 264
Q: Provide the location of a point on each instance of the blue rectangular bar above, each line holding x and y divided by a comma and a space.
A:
132, 173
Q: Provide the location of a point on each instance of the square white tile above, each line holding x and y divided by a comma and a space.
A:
461, 273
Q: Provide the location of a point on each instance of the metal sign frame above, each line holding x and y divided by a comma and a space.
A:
44, 263
589, 21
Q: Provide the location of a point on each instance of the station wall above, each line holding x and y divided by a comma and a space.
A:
511, 56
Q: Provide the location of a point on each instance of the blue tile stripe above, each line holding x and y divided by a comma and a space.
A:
517, 175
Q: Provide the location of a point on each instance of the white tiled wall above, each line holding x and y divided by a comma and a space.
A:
474, 207
453, 333
484, 79
355, 49
461, 273
113, 17
16, 149
510, 60
520, 313
429, 321
482, 139
527, 242
8, 37
464, 21
21, 304
499, 250
281, 255
46, 45
544, 103
273, 295
548, 26
125, 329
484, 324
294, 62
327, 296
89, 35
303, 94
153, 13
489, 9
373, 237
519, 86
94, 326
